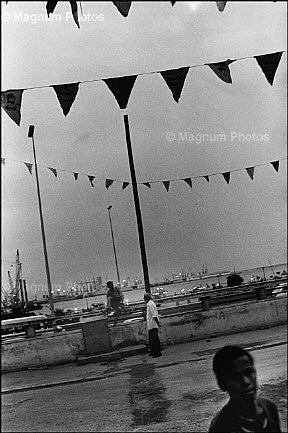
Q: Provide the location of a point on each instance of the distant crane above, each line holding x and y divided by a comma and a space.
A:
5, 296
14, 290
10, 282
13, 306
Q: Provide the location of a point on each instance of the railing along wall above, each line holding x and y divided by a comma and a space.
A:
174, 304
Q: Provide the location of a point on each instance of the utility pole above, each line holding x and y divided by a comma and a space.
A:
113, 242
31, 135
137, 206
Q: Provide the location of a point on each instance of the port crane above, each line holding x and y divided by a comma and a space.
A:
15, 289
14, 306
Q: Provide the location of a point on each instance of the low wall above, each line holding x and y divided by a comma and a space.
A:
66, 346
223, 321
42, 350
195, 325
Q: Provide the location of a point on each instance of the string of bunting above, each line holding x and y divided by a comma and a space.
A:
121, 87
122, 6
188, 180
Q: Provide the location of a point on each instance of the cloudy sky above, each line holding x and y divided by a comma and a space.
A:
239, 225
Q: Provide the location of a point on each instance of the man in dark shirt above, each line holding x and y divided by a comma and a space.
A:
114, 301
245, 411
114, 296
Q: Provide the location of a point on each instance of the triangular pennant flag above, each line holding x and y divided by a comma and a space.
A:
175, 79
207, 178
108, 183
75, 176
123, 7
121, 88
74, 9
275, 165
226, 176
11, 102
91, 178
221, 6
66, 94
147, 184
166, 183
53, 171
250, 171
124, 185
29, 166
269, 64
50, 6
221, 69
189, 181
172, 3
3, 161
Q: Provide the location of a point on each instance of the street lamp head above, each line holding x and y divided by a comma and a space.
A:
109, 207
31, 131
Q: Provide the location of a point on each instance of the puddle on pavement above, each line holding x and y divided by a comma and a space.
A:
112, 366
13, 402
277, 392
147, 395
211, 352
198, 396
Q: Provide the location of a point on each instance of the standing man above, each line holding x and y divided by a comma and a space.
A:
153, 324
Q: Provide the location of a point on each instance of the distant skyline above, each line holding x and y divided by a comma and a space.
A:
241, 224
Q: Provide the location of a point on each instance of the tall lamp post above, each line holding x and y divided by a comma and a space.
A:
31, 135
114, 249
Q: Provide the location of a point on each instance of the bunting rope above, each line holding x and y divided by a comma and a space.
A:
121, 86
148, 73
166, 183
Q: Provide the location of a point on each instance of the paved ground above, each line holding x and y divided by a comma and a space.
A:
176, 392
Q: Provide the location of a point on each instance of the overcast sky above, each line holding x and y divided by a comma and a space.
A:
242, 224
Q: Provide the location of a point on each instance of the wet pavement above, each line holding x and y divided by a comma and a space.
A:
185, 352
176, 392
147, 397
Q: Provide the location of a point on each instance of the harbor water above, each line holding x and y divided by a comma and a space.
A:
135, 295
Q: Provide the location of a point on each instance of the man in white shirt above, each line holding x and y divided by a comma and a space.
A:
153, 324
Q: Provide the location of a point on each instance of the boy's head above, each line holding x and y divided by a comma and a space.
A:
147, 297
110, 285
235, 372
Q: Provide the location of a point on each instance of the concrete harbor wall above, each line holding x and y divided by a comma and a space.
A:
180, 327
41, 350
66, 346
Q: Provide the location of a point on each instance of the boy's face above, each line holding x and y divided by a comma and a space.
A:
240, 381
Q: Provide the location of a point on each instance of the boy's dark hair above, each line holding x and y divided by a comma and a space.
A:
147, 296
109, 284
223, 359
